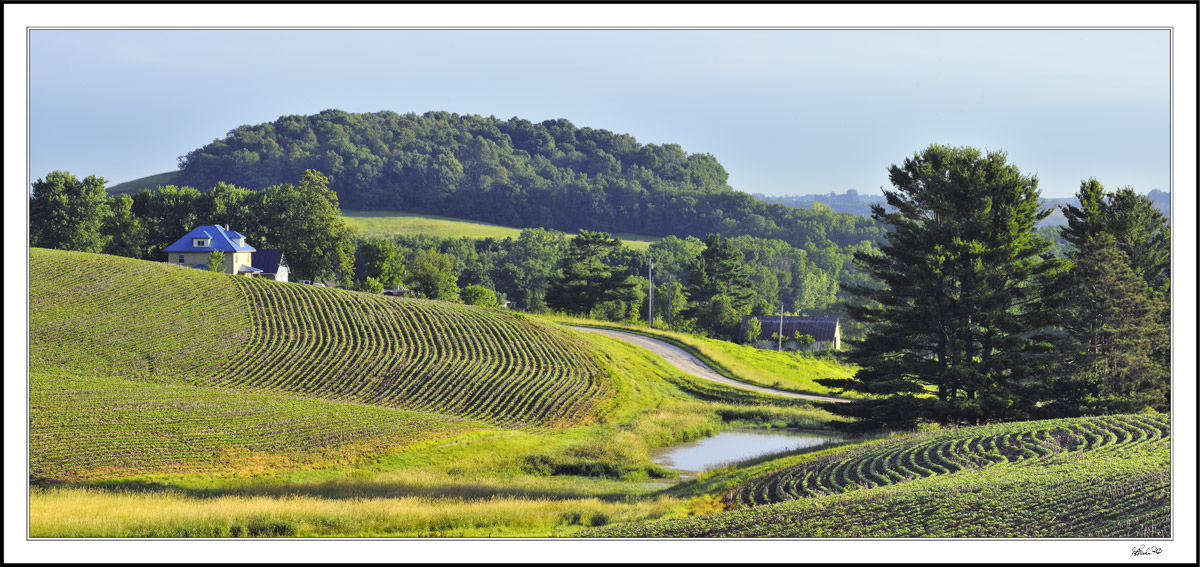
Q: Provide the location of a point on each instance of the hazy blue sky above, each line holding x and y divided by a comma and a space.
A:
785, 111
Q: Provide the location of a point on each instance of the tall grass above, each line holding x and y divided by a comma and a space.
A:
93, 512
791, 371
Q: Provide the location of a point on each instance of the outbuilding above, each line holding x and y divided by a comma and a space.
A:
826, 332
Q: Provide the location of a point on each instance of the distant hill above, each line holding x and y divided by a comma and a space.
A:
512, 172
852, 202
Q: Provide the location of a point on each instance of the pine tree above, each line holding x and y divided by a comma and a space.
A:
586, 281
1104, 359
1139, 229
948, 329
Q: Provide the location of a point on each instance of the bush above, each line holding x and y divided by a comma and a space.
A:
478, 295
371, 285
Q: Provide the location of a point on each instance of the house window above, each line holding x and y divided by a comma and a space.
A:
199, 242
181, 258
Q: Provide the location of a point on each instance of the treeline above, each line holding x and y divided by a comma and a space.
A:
768, 275
978, 321
303, 220
514, 172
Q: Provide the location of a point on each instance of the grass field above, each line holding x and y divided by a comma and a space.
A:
389, 223
148, 182
789, 371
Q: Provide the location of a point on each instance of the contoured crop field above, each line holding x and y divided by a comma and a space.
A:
1095, 477
142, 368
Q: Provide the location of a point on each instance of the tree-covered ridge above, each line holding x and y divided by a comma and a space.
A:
550, 174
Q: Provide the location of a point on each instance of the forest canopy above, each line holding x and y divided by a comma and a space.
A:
515, 172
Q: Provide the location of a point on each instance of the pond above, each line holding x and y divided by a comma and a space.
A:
733, 446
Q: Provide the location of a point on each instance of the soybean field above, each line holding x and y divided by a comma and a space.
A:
1084, 477
144, 368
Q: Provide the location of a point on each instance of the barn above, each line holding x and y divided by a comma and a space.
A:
826, 332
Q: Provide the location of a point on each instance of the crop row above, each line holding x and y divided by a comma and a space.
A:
411, 354
1121, 489
113, 316
906, 459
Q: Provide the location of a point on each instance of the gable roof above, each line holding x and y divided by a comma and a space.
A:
268, 260
222, 240
820, 328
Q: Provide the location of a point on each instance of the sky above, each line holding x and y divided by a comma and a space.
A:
795, 111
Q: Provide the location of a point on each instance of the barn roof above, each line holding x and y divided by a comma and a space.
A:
268, 260
820, 328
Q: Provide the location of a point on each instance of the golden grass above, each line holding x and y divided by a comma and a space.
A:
92, 512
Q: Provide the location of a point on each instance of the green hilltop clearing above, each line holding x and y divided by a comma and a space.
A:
372, 224
149, 182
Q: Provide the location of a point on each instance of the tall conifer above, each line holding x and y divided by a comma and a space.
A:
948, 337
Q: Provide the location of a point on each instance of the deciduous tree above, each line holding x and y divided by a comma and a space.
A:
66, 213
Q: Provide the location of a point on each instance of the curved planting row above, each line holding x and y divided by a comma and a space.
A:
947, 452
411, 354
115, 316
1118, 489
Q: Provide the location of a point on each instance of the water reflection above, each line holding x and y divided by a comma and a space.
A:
733, 446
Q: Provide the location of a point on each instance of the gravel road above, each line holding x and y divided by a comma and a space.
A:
686, 362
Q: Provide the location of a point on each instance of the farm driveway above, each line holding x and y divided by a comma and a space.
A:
686, 362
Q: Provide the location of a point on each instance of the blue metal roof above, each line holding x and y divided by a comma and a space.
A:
220, 239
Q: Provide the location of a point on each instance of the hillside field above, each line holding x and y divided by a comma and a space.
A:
1098, 477
155, 387
149, 182
373, 224
174, 402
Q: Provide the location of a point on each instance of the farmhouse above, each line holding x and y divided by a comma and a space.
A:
826, 332
193, 250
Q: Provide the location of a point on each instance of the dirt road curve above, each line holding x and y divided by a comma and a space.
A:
686, 362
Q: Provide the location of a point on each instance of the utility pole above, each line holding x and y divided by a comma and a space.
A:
650, 307
670, 310
780, 349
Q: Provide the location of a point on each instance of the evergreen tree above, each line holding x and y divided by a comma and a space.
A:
586, 280
719, 271
1139, 229
947, 340
1110, 330
66, 213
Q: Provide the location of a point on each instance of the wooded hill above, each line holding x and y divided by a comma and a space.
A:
513, 172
